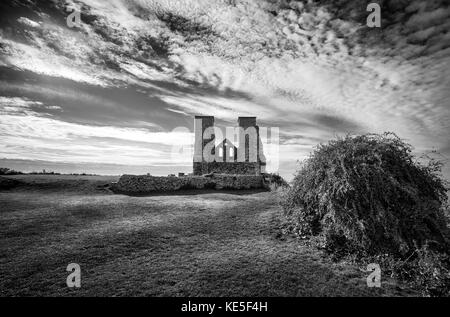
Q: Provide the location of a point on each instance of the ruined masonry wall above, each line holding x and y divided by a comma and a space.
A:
248, 168
147, 183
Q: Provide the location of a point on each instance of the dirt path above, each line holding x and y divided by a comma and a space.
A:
189, 245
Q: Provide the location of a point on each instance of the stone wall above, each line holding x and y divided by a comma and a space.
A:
147, 184
243, 168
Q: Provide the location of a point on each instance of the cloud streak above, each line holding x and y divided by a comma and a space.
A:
313, 68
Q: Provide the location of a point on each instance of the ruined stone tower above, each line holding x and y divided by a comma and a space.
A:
226, 157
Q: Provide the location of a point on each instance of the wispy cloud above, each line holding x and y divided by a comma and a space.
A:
312, 68
42, 137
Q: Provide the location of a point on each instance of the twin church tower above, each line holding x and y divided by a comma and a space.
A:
216, 153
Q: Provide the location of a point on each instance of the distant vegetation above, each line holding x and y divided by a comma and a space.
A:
7, 171
367, 197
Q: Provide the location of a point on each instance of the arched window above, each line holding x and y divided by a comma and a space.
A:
231, 152
220, 152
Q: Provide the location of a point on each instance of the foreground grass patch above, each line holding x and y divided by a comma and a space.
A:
213, 244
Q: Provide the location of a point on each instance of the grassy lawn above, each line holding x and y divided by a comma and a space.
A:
210, 244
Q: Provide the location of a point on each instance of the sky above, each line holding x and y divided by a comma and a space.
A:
118, 93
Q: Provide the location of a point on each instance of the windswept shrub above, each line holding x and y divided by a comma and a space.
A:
367, 195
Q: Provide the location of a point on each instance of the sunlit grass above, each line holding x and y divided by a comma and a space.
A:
214, 244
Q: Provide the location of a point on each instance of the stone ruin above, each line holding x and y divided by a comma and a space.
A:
218, 164
245, 159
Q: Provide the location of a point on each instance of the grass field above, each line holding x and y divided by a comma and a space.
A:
209, 244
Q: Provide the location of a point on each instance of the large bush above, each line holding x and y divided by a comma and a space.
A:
368, 195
